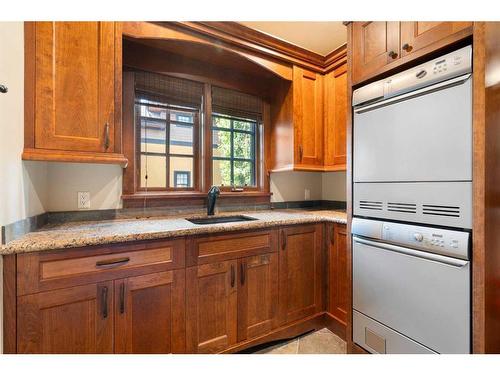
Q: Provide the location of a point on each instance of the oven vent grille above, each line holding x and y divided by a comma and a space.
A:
410, 208
453, 211
370, 205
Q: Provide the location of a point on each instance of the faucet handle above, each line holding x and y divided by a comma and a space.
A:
214, 190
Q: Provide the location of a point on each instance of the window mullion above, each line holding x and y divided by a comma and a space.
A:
232, 152
167, 149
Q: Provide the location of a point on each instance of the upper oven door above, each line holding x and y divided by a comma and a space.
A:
424, 135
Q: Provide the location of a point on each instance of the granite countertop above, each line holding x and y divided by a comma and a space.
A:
79, 234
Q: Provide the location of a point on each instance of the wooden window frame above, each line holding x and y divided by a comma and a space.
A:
168, 155
133, 196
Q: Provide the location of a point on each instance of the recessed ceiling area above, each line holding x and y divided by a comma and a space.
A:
319, 37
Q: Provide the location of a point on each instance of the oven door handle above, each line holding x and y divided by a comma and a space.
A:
414, 253
437, 86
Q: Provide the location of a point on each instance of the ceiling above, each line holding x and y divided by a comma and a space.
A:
319, 37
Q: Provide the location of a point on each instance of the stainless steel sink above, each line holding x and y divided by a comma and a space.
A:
220, 219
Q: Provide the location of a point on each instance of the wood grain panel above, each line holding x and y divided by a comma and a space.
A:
418, 34
300, 272
75, 89
150, 313
308, 116
257, 295
74, 320
338, 288
211, 307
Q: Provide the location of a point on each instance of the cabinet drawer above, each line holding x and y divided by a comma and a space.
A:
63, 268
215, 248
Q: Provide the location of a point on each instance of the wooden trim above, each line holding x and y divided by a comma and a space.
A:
288, 331
244, 40
29, 84
349, 183
74, 156
478, 196
334, 325
9, 305
118, 88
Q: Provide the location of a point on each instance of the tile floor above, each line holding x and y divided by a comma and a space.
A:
319, 342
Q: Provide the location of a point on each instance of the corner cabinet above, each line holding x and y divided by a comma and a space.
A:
308, 117
380, 46
73, 92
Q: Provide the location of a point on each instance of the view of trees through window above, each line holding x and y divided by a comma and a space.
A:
233, 146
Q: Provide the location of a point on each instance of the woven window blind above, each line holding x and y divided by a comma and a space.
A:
172, 90
233, 102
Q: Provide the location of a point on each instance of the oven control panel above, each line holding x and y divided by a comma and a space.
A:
440, 241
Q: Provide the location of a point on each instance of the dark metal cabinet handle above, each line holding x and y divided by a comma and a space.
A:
106, 136
122, 298
3, 89
233, 276
242, 273
104, 301
112, 262
283, 239
393, 54
406, 47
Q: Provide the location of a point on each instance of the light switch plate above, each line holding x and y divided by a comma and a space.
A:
83, 200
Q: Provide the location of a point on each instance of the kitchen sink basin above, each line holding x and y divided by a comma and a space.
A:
220, 219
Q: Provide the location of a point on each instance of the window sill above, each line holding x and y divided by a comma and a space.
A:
190, 198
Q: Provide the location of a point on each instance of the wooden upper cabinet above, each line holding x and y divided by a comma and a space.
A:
374, 45
149, 313
417, 35
257, 295
300, 272
211, 307
308, 117
76, 320
335, 103
337, 260
378, 47
73, 91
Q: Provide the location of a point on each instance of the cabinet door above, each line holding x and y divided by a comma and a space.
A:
300, 272
374, 45
73, 320
308, 117
211, 307
338, 273
149, 313
257, 295
335, 119
74, 86
417, 35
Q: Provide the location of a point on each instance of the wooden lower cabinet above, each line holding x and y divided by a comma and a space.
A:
67, 321
149, 313
211, 307
236, 297
257, 295
300, 291
337, 275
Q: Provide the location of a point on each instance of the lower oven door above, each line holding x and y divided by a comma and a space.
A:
410, 294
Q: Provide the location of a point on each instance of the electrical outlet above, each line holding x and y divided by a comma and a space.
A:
83, 200
307, 194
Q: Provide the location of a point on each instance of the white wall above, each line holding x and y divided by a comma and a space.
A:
23, 187
333, 186
65, 180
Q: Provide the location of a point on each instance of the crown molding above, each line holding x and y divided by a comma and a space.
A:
247, 38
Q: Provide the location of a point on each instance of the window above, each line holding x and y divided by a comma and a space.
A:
233, 151
167, 128
182, 178
166, 144
189, 136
